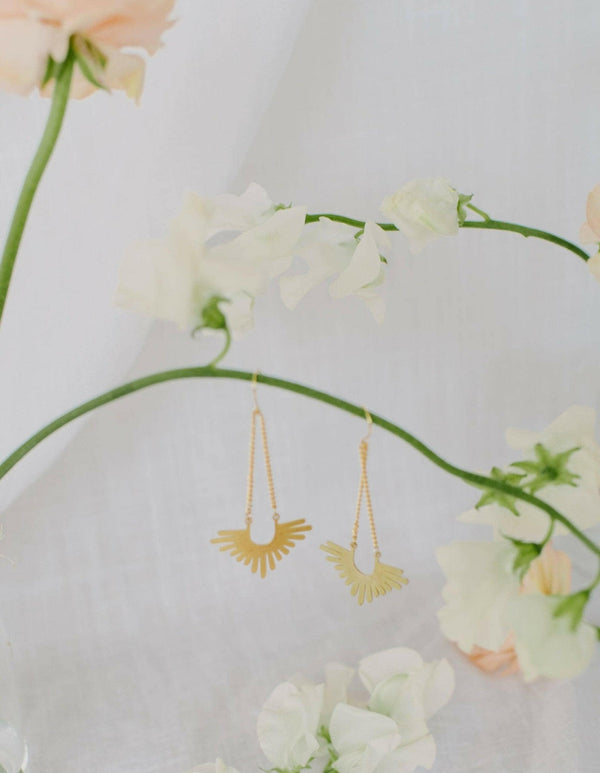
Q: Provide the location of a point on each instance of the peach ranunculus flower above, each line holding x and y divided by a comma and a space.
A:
549, 575
33, 32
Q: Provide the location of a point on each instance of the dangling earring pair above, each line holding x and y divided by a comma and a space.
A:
261, 557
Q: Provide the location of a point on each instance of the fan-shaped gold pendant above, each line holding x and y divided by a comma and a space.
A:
239, 543
364, 586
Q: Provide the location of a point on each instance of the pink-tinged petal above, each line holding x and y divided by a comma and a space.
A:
125, 72
503, 661
24, 47
549, 574
120, 31
592, 210
587, 235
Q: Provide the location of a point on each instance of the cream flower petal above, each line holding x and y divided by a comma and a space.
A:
238, 311
530, 526
592, 210
240, 213
157, 282
408, 757
380, 666
353, 729
480, 585
423, 210
545, 644
259, 254
594, 265
365, 266
438, 684
288, 724
337, 681
575, 428
327, 248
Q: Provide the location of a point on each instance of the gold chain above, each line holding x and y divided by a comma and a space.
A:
251, 455
363, 489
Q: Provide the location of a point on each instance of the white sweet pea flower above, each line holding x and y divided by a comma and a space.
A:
289, 723
548, 644
567, 457
337, 681
214, 767
481, 583
330, 248
367, 742
193, 274
424, 210
404, 687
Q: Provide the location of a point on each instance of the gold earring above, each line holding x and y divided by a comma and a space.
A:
384, 578
239, 542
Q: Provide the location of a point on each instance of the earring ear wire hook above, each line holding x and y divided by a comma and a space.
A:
369, 420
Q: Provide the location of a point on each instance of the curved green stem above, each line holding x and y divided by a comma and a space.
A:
224, 350
60, 99
488, 224
500, 225
479, 481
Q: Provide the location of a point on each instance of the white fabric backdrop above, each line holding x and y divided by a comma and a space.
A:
139, 648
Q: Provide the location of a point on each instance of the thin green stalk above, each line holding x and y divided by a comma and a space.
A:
224, 350
488, 224
478, 211
500, 225
58, 108
478, 481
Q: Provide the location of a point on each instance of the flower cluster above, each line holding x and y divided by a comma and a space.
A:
509, 603
37, 35
221, 253
317, 727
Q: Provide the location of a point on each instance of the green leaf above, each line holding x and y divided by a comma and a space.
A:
87, 71
463, 200
492, 496
573, 607
52, 70
547, 469
212, 316
526, 553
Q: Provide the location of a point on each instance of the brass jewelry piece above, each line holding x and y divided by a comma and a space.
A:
384, 578
239, 542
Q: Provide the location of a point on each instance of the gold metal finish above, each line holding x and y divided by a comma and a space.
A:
239, 542
365, 587
384, 578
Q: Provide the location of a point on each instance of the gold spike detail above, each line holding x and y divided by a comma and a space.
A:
365, 587
262, 557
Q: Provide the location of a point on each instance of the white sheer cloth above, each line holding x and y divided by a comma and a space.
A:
138, 647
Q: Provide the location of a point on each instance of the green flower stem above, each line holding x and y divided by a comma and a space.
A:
500, 225
489, 224
224, 350
58, 108
478, 481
